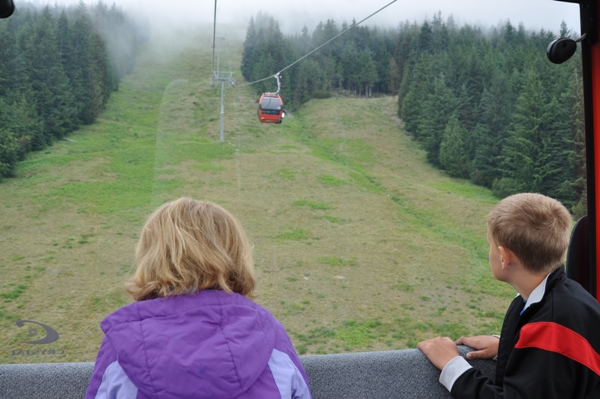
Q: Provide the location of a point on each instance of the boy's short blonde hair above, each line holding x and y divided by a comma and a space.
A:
188, 245
535, 227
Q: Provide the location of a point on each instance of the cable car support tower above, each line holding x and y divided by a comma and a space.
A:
223, 77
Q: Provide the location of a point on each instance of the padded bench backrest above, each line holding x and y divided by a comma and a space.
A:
405, 374
391, 374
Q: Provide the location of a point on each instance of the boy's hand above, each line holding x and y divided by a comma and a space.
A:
439, 350
486, 346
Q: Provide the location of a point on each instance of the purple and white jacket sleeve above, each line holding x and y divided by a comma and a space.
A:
109, 379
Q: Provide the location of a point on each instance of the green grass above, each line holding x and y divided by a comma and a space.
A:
466, 190
332, 219
334, 261
355, 334
317, 206
295, 235
403, 286
329, 180
14, 294
285, 173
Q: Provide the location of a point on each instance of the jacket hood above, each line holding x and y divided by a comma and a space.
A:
206, 345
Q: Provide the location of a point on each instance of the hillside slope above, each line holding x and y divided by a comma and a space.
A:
359, 243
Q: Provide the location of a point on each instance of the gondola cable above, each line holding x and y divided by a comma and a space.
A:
276, 75
214, 36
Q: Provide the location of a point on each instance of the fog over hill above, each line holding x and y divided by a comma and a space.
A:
534, 14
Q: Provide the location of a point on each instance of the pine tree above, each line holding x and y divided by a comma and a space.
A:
351, 66
64, 45
419, 86
102, 76
50, 85
491, 132
367, 75
88, 78
426, 38
558, 148
466, 109
63, 41
522, 154
305, 41
439, 105
381, 60
403, 54
578, 134
8, 61
8, 153
456, 149
248, 56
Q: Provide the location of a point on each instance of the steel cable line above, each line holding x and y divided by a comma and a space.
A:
320, 47
214, 35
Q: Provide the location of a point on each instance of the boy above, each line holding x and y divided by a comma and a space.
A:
550, 342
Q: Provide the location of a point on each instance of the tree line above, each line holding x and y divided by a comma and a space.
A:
58, 67
490, 107
486, 105
357, 62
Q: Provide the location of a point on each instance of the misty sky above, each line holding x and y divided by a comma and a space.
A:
292, 15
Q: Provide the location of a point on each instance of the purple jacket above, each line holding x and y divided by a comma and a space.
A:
206, 345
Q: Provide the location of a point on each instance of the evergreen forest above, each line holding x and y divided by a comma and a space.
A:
484, 103
58, 67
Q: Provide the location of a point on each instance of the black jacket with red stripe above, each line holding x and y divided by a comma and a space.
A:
551, 351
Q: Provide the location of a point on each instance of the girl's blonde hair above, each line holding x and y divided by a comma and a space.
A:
188, 245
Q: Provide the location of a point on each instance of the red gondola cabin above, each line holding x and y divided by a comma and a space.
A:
270, 108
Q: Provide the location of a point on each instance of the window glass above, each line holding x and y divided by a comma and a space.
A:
366, 206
